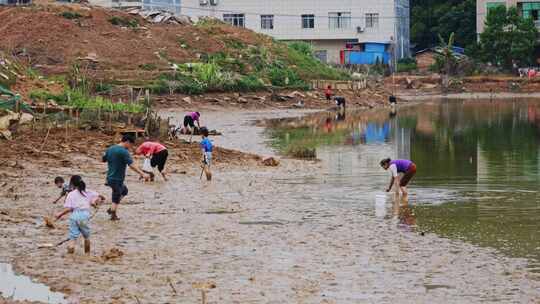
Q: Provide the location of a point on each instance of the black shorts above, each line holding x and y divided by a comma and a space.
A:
188, 121
119, 190
159, 159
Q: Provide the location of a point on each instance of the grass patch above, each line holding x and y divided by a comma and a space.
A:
249, 83
79, 100
71, 15
406, 65
183, 44
234, 44
299, 56
103, 87
148, 67
124, 21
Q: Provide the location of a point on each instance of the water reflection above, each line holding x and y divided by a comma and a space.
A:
21, 288
478, 165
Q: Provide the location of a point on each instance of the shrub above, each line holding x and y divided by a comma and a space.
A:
70, 15
43, 95
302, 47
123, 21
210, 75
299, 56
103, 87
406, 65
234, 44
285, 77
80, 100
148, 66
248, 83
178, 83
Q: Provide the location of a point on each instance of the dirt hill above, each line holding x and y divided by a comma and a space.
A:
115, 44
55, 36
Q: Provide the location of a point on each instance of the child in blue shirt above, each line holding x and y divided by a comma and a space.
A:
206, 148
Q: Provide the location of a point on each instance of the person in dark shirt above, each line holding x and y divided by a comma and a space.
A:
118, 159
340, 101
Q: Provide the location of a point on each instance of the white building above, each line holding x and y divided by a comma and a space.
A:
341, 31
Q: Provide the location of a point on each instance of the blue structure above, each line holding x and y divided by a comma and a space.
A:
372, 53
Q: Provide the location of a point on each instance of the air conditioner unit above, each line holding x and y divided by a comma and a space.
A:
203, 2
359, 29
214, 2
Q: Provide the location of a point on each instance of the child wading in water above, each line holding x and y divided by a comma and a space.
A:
397, 166
78, 202
206, 148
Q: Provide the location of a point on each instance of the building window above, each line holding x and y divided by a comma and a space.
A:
340, 20
238, 20
267, 22
531, 10
308, 21
372, 20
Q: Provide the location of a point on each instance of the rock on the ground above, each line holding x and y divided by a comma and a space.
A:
271, 162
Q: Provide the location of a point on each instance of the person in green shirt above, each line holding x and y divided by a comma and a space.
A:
118, 159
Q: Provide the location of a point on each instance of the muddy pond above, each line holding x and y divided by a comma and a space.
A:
478, 166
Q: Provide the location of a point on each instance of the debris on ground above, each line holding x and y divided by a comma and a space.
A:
271, 162
204, 285
197, 132
222, 211
303, 153
49, 223
9, 121
112, 253
161, 16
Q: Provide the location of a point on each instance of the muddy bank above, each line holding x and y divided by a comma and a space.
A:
58, 148
253, 235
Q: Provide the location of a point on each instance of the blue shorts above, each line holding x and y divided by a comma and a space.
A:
79, 224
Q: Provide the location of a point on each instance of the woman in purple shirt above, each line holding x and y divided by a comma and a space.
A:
189, 123
403, 166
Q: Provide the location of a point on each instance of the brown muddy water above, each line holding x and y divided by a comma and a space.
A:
478, 166
304, 232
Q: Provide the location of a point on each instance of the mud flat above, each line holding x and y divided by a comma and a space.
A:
252, 235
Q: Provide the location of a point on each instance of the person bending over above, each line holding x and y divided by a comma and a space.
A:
405, 167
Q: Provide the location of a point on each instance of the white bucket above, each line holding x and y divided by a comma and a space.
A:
380, 205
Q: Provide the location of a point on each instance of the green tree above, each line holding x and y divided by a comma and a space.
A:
447, 60
507, 38
431, 18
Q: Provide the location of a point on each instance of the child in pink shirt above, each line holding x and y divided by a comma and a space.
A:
78, 203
